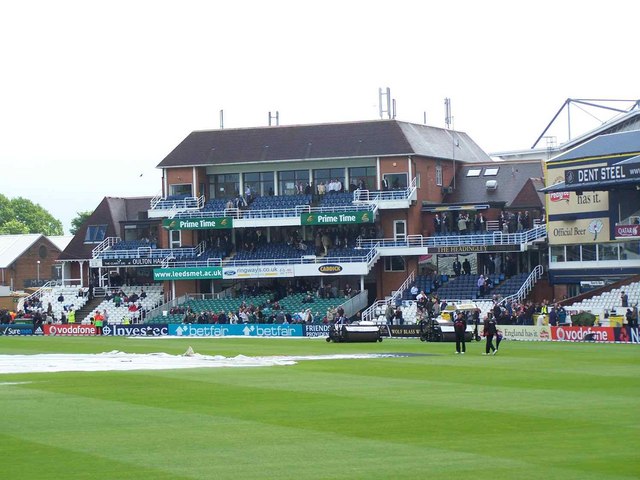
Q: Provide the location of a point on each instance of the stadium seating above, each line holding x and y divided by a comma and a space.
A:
115, 315
609, 301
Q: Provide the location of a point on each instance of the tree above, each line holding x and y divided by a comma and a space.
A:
77, 222
13, 227
19, 213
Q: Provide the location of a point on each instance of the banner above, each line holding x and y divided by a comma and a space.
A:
241, 330
315, 330
258, 271
627, 231
150, 330
192, 273
71, 329
627, 335
127, 262
216, 223
337, 218
525, 332
582, 334
12, 329
474, 249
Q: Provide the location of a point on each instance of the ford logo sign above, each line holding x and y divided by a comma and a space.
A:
231, 273
330, 268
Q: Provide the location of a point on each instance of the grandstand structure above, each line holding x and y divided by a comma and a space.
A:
347, 211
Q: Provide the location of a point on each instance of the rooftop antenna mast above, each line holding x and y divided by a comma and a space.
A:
388, 106
275, 117
448, 120
221, 119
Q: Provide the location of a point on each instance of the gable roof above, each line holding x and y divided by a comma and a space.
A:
530, 196
511, 178
377, 138
61, 241
110, 212
12, 246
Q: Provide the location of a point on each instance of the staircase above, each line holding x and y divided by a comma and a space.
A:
88, 307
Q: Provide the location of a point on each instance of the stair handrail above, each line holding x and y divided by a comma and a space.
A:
527, 285
369, 312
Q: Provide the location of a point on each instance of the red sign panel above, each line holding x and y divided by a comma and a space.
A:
627, 231
560, 196
581, 334
70, 329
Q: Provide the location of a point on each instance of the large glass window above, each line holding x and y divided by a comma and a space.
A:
364, 177
95, 233
226, 185
291, 181
607, 251
573, 253
630, 250
397, 181
180, 190
589, 253
394, 264
329, 175
260, 183
557, 253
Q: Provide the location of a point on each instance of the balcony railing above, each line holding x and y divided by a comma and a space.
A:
489, 238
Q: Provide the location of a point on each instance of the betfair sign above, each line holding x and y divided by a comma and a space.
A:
197, 223
336, 218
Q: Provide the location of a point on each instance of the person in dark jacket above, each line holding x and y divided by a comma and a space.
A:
459, 327
490, 331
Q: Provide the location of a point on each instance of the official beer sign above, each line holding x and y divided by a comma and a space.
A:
217, 223
336, 218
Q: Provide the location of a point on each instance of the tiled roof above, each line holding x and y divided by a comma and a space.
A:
376, 138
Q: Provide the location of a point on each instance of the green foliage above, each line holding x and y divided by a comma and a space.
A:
13, 227
77, 222
18, 214
583, 319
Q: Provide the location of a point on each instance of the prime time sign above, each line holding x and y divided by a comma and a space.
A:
215, 223
336, 218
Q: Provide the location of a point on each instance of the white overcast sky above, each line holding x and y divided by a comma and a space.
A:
93, 94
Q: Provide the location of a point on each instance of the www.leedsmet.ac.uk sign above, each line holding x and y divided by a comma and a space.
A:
198, 223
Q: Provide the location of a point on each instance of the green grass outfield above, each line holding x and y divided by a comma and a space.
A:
534, 411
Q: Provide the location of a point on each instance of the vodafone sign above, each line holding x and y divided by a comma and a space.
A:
69, 330
580, 334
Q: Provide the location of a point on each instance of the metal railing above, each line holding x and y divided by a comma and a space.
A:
527, 286
367, 258
489, 238
375, 196
165, 203
355, 303
106, 243
369, 313
270, 213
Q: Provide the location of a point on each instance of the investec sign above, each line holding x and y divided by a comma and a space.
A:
337, 218
193, 273
197, 223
